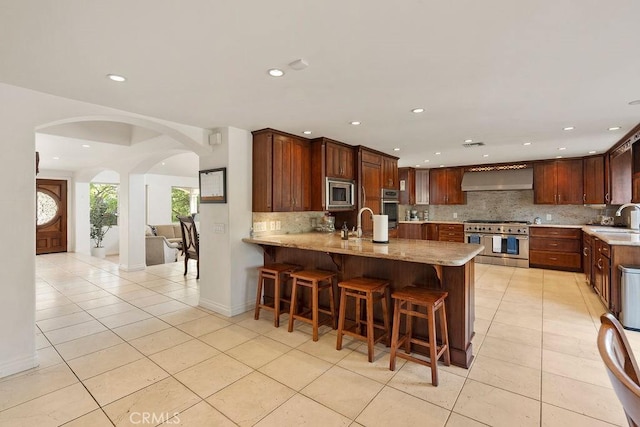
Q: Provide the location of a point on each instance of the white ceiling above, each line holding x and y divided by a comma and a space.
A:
502, 72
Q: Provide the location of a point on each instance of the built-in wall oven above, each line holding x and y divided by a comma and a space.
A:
505, 242
389, 205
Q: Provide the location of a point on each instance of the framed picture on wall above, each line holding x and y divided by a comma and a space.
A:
213, 185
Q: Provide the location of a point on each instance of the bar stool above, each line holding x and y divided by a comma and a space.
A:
316, 280
279, 273
432, 300
369, 291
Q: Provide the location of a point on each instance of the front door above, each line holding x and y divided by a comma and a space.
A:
51, 216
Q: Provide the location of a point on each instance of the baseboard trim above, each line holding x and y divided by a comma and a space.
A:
226, 310
128, 268
18, 365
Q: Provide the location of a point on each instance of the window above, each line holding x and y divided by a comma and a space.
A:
184, 202
107, 194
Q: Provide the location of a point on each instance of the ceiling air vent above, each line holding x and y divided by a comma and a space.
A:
473, 144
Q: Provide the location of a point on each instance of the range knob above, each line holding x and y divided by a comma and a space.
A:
509, 230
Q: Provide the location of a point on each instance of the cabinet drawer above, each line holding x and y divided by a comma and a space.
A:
555, 232
458, 228
564, 261
555, 245
451, 236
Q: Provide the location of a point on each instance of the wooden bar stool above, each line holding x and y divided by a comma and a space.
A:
432, 300
369, 291
316, 280
279, 273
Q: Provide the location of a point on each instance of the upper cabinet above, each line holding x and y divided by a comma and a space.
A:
594, 182
389, 172
407, 177
370, 191
416, 186
636, 172
558, 182
339, 159
620, 169
445, 186
281, 172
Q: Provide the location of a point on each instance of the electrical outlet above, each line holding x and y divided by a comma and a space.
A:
218, 228
259, 226
272, 225
278, 225
548, 217
455, 215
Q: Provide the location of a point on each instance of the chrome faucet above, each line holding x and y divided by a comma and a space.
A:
627, 205
359, 232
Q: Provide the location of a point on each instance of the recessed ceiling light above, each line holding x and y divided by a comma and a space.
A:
468, 140
85, 146
417, 166
418, 110
558, 157
307, 132
355, 123
592, 152
56, 158
562, 148
274, 72
426, 161
614, 128
526, 143
485, 155
396, 149
636, 102
441, 166
162, 163
568, 128
117, 78
437, 153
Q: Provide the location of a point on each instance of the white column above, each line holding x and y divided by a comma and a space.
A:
227, 265
131, 222
81, 212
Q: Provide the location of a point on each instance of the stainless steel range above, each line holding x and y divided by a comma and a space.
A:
505, 242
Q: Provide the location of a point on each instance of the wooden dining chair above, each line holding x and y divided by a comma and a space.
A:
190, 242
621, 366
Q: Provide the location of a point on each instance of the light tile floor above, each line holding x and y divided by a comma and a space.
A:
121, 348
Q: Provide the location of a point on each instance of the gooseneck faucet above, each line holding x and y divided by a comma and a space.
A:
627, 205
359, 232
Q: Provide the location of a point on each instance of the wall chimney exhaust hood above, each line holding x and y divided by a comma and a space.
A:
512, 179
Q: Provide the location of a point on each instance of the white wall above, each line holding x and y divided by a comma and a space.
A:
159, 195
23, 112
227, 267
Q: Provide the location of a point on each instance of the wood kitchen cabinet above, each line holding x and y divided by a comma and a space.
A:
412, 231
555, 248
635, 169
281, 172
587, 258
390, 172
594, 181
416, 184
601, 267
433, 231
620, 170
408, 192
370, 184
339, 160
558, 182
451, 233
445, 186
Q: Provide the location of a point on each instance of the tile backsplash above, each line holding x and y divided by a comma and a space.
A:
290, 222
512, 205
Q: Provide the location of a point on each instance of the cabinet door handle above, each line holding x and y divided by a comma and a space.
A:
553, 244
584, 198
552, 258
606, 197
585, 252
599, 264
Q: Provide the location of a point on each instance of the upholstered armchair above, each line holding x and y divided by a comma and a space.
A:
159, 250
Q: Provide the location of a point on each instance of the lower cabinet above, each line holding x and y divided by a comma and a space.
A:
412, 231
555, 248
602, 271
451, 233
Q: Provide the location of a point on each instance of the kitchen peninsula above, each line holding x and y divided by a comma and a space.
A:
443, 265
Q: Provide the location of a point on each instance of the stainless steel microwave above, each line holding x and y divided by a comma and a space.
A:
340, 194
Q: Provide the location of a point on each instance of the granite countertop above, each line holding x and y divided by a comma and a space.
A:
420, 221
420, 251
556, 225
614, 235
